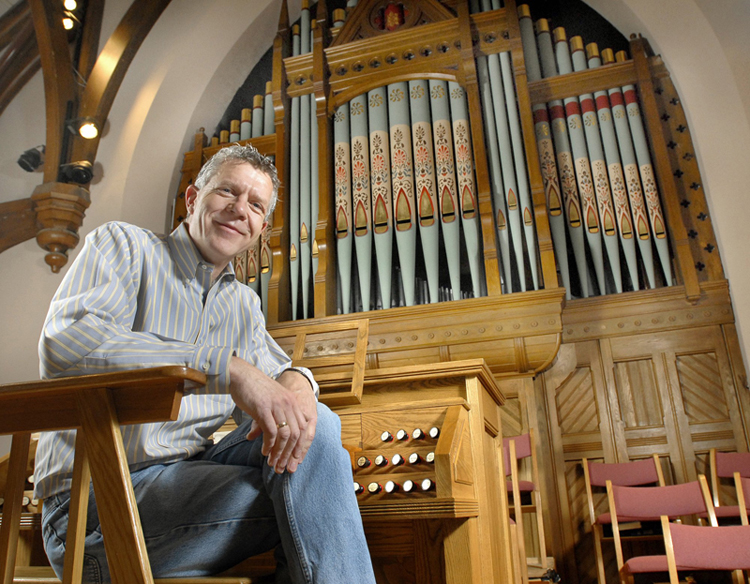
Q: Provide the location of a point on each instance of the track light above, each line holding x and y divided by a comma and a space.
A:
69, 20
32, 159
80, 172
70, 5
85, 127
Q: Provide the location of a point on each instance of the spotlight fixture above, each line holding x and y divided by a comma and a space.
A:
32, 159
70, 4
80, 172
69, 20
85, 127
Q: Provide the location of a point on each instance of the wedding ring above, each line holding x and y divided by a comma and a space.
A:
282, 425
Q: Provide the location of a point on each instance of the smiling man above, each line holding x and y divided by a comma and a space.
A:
136, 299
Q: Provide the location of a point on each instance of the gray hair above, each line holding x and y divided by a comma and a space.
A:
241, 154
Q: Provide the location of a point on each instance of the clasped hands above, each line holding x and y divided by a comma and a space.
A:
284, 411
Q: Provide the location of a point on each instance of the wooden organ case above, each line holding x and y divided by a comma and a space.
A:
609, 355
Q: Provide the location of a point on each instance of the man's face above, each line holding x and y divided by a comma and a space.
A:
227, 215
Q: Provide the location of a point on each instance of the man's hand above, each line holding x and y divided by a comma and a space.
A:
303, 392
284, 411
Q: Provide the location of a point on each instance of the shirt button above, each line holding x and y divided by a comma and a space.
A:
205, 367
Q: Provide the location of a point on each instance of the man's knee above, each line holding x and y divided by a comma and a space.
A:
328, 428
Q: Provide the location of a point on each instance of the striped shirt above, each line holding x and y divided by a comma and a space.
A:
134, 299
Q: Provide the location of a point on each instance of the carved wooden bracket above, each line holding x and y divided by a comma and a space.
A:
59, 210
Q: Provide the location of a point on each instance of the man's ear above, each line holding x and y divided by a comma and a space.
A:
191, 194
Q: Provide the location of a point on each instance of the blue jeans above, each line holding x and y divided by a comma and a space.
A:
206, 514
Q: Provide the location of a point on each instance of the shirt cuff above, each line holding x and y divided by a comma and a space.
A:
214, 362
308, 375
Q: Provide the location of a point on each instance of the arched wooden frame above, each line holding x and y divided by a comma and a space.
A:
56, 209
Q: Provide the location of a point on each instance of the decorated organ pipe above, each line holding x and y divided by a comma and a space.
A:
361, 195
380, 179
565, 164
424, 181
402, 177
625, 220
446, 182
548, 165
581, 163
599, 174
648, 178
466, 187
343, 204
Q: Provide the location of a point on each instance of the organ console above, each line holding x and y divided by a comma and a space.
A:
480, 182
441, 492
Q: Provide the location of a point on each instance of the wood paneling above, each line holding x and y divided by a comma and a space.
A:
625, 397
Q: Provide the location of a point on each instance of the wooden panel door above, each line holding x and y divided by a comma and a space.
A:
616, 399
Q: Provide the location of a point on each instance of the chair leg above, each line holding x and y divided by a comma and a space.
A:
540, 530
597, 532
121, 525
79, 498
515, 553
626, 576
12, 508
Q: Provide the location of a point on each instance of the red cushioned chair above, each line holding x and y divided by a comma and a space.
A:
742, 485
723, 465
596, 474
631, 507
694, 548
525, 496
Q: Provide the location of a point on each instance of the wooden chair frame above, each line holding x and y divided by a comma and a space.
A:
729, 510
738, 576
518, 509
618, 537
596, 527
741, 500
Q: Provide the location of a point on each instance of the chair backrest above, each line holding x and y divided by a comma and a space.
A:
723, 465
637, 472
523, 448
650, 503
691, 547
727, 463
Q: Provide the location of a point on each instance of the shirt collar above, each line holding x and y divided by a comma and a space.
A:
188, 259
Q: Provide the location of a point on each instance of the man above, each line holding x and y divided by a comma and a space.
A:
134, 299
